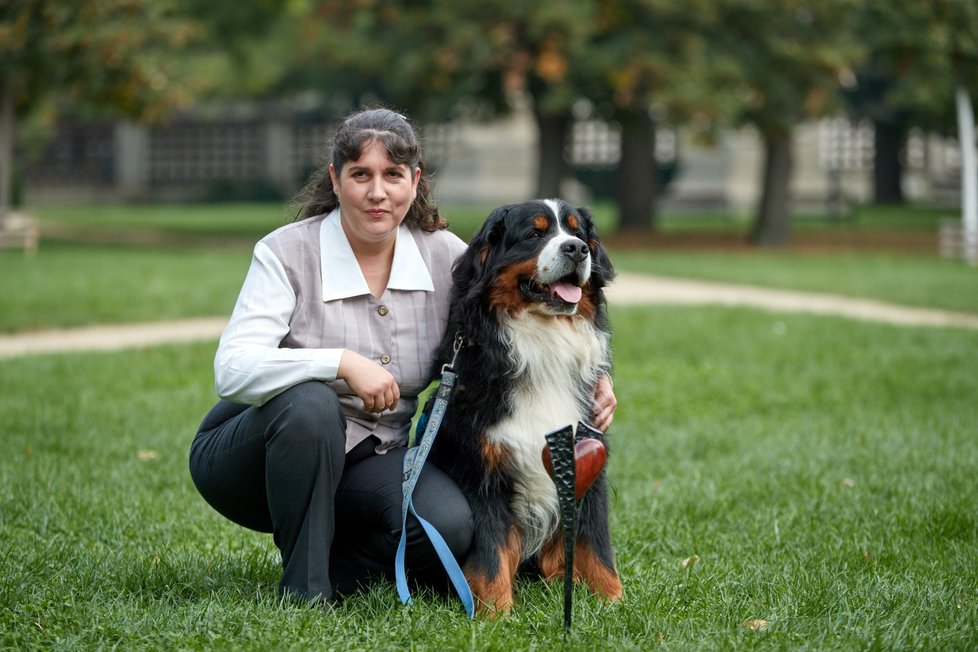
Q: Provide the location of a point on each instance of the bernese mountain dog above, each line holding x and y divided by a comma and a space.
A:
529, 310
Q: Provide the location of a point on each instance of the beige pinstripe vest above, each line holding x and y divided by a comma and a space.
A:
400, 330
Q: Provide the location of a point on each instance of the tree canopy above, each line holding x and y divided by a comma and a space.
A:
638, 64
916, 58
90, 53
791, 56
116, 53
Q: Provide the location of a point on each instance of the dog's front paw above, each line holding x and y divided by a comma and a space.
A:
493, 598
495, 610
602, 579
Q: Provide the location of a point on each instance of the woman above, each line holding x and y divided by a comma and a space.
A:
330, 342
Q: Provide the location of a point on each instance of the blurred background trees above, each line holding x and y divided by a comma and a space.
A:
791, 56
92, 54
916, 54
639, 65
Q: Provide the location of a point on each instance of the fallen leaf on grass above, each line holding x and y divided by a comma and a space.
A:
689, 562
147, 455
756, 625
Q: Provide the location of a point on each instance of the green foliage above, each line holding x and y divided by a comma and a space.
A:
419, 57
816, 473
656, 53
790, 56
917, 56
256, 50
114, 54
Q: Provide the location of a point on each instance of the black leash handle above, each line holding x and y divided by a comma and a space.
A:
561, 444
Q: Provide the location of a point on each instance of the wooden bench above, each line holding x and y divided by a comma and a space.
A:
19, 231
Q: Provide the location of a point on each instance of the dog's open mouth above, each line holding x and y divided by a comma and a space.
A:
564, 291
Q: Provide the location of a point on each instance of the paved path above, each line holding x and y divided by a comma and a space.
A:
627, 289
634, 288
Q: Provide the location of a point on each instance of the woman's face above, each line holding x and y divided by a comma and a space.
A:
374, 194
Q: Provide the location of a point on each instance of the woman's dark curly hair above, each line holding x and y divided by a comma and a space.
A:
403, 147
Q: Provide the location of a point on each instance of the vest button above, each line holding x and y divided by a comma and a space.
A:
385, 359
382, 311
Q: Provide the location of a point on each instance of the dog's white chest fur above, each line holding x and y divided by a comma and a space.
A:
557, 362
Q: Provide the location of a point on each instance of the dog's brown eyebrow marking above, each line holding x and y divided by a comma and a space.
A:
541, 222
572, 221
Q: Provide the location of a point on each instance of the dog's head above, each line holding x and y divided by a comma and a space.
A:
542, 257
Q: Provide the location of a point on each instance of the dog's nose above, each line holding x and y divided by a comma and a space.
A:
575, 249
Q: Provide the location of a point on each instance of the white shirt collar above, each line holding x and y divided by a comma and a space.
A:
341, 273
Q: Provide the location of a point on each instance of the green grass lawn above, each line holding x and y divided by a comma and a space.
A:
231, 220
209, 223
130, 263
67, 285
817, 474
252, 220
127, 263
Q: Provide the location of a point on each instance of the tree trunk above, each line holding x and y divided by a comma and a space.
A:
637, 178
889, 139
773, 223
551, 165
6, 148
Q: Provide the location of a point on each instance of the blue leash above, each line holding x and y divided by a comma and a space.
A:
414, 460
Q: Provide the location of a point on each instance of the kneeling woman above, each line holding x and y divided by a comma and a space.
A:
330, 342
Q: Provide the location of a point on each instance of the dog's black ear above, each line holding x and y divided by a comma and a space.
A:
471, 275
474, 266
489, 236
601, 266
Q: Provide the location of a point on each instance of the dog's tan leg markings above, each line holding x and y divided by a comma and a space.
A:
587, 567
552, 558
600, 579
494, 595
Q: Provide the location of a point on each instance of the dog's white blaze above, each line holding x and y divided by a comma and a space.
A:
552, 265
553, 205
557, 361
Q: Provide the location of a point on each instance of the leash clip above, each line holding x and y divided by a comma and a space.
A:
456, 347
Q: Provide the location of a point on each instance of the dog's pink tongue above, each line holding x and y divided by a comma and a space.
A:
567, 292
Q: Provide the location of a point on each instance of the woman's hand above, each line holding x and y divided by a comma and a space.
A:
604, 404
374, 385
